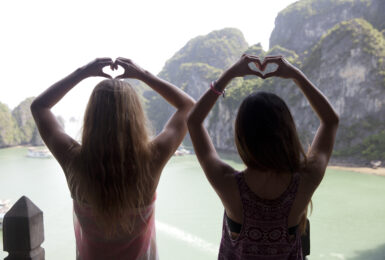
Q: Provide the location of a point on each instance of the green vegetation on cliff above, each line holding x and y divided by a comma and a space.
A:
25, 122
194, 66
9, 132
217, 49
360, 34
308, 8
302, 24
18, 127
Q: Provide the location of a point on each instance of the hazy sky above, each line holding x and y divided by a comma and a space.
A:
43, 41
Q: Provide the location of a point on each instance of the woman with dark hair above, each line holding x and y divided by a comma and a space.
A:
265, 204
113, 174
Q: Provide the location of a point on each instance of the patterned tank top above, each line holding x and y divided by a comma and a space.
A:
264, 233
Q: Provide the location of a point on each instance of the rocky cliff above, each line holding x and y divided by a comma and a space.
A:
17, 127
300, 26
9, 132
340, 45
193, 68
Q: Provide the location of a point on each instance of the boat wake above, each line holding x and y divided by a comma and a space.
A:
191, 239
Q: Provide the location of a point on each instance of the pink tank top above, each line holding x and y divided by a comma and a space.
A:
91, 243
264, 233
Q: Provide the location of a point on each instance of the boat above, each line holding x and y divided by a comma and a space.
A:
181, 151
5, 205
38, 152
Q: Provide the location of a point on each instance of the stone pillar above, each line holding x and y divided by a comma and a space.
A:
23, 231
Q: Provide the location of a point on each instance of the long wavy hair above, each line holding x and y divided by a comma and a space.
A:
266, 137
110, 171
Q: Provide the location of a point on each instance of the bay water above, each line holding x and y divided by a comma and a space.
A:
348, 220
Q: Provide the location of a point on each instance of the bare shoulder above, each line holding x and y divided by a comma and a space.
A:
68, 158
226, 183
314, 171
161, 153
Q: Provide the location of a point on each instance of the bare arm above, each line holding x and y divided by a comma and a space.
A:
323, 142
54, 136
175, 129
214, 168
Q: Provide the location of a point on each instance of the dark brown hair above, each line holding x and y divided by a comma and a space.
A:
266, 136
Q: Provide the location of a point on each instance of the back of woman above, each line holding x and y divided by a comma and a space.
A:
266, 204
264, 230
113, 174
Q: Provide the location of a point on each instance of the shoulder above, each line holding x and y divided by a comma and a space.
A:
311, 176
227, 186
70, 163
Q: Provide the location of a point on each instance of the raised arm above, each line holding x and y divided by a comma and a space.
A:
214, 168
323, 142
53, 134
175, 129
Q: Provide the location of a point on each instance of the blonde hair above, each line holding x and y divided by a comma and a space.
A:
110, 171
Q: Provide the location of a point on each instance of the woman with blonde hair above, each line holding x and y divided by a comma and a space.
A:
265, 204
113, 174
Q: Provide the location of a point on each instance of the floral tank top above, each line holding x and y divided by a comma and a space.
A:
264, 233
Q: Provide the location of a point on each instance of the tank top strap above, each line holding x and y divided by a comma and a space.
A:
283, 202
242, 186
293, 187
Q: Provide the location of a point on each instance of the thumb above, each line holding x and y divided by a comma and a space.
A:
102, 74
258, 74
120, 76
268, 75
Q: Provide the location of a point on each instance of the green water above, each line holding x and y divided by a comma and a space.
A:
348, 220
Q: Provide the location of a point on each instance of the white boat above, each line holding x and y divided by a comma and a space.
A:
5, 205
38, 152
181, 151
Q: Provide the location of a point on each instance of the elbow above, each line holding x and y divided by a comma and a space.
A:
190, 103
333, 120
34, 106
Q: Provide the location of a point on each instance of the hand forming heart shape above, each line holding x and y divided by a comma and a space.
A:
114, 72
270, 67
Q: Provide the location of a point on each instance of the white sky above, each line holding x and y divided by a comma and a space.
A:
43, 41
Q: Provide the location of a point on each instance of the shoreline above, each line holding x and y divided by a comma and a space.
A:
380, 171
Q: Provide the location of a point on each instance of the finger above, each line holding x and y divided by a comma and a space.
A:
256, 60
269, 60
269, 75
124, 60
105, 63
273, 56
115, 65
102, 74
120, 62
105, 60
256, 73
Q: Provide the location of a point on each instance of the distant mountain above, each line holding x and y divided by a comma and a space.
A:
9, 131
193, 67
302, 24
17, 127
340, 45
